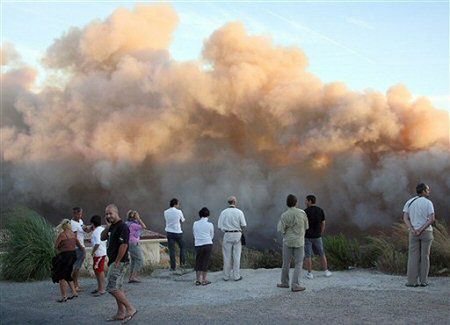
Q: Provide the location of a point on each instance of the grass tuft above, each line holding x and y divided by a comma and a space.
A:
29, 246
341, 252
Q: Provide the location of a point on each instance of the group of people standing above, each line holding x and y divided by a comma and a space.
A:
231, 223
302, 231
302, 235
115, 244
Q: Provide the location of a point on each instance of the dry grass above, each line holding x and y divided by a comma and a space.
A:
388, 252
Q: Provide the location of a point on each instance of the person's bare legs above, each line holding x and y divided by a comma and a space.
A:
199, 276
97, 277
323, 260
62, 288
75, 278
134, 276
101, 282
72, 288
308, 263
123, 305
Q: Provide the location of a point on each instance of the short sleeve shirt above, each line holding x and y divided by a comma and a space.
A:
419, 209
231, 219
173, 217
95, 239
77, 226
135, 231
118, 234
315, 217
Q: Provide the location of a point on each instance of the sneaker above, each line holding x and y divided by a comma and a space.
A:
328, 273
413, 285
281, 285
309, 275
297, 288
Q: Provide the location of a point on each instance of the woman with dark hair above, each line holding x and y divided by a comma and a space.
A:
136, 225
66, 242
203, 234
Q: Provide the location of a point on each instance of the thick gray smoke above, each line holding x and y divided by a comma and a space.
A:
135, 127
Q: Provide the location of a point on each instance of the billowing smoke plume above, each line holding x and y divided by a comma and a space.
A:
135, 127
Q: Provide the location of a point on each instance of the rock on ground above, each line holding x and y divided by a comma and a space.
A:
348, 297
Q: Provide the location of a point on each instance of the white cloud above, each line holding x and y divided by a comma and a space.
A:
359, 22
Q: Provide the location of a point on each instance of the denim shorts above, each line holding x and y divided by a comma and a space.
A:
80, 259
115, 276
313, 245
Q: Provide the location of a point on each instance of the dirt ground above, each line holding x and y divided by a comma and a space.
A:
349, 297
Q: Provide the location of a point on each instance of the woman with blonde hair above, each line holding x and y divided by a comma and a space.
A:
65, 244
136, 225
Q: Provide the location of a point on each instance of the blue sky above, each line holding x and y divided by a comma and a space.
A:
367, 45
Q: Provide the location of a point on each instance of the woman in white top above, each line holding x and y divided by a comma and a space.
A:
203, 234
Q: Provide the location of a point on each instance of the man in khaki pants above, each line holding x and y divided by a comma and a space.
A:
293, 224
231, 222
418, 215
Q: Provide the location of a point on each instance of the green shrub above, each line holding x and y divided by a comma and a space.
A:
372, 250
29, 247
255, 259
341, 252
389, 252
392, 261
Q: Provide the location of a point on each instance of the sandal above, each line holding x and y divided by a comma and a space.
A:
72, 297
129, 317
197, 283
93, 292
62, 300
206, 283
114, 319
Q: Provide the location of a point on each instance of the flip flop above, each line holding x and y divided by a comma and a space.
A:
98, 294
62, 300
129, 317
72, 297
94, 291
197, 283
206, 283
115, 319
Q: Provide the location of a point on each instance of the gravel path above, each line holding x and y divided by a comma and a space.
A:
350, 297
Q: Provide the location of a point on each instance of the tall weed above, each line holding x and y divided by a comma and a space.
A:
29, 247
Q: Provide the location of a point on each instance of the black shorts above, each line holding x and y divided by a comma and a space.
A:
202, 257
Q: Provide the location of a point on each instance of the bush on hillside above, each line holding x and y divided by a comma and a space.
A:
389, 252
341, 252
29, 246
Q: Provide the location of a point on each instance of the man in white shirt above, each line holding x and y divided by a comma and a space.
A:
418, 215
79, 229
98, 255
231, 222
174, 217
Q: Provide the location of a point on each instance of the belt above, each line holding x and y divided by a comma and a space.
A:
232, 230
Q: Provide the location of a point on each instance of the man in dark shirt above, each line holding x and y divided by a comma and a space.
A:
117, 234
313, 236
